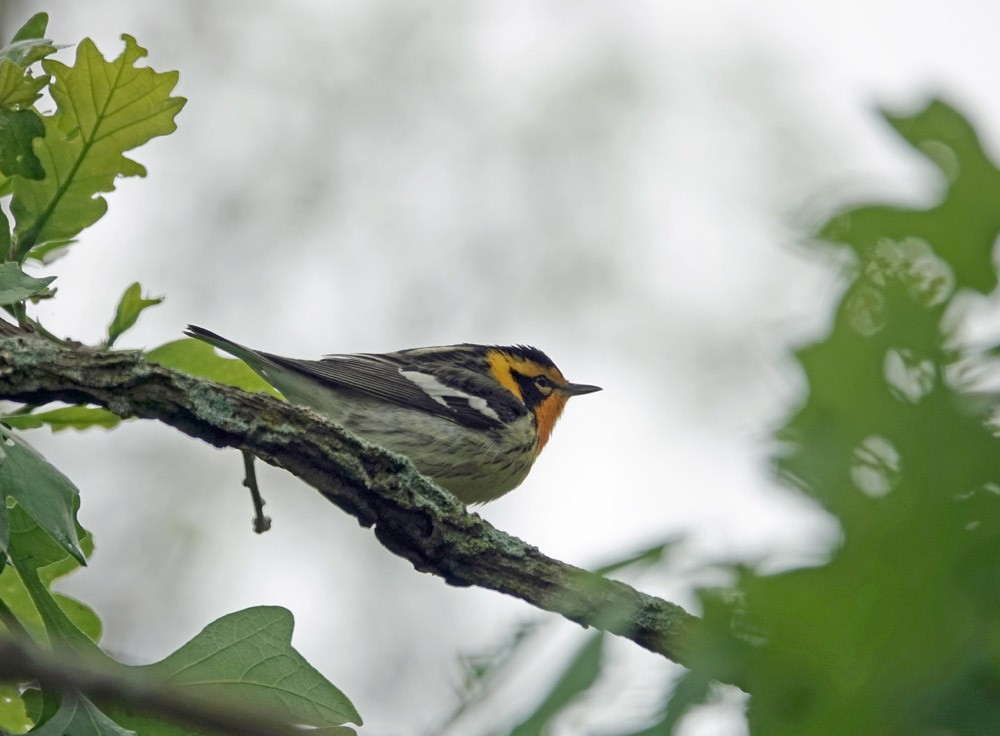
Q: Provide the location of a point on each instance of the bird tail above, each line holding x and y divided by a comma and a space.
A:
251, 357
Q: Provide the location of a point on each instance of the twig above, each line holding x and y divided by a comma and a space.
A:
261, 523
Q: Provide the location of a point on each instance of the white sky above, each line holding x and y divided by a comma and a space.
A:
621, 184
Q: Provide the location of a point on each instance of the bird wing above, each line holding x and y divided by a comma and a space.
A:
398, 383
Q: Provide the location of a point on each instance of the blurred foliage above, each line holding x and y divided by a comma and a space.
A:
576, 677
897, 633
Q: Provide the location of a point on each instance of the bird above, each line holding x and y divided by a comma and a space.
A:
473, 418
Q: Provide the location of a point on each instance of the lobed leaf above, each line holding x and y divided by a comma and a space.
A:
247, 658
103, 109
18, 87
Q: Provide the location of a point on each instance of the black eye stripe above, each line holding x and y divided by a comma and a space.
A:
533, 392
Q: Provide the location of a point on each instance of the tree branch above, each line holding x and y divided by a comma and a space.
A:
410, 515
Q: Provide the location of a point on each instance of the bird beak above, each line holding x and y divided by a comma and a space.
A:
579, 389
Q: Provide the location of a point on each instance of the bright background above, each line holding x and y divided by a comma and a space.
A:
626, 186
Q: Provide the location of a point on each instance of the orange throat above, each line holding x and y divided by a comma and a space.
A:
547, 414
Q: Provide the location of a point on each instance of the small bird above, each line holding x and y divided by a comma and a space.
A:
471, 417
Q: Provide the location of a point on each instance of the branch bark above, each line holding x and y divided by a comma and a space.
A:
409, 514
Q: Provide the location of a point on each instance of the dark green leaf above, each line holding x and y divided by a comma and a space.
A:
41, 490
33, 703
16, 285
4, 234
77, 716
199, 359
19, 600
38, 559
130, 306
247, 658
18, 128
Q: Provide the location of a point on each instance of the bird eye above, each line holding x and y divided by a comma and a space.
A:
543, 382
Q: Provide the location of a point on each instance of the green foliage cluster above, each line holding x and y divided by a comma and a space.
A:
53, 169
898, 632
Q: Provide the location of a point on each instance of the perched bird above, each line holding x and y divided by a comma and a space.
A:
471, 417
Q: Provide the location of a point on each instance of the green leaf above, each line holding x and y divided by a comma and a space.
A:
4, 233
13, 715
69, 417
33, 28
21, 421
41, 490
18, 128
130, 306
19, 88
246, 658
77, 716
34, 703
26, 52
16, 285
49, 252
29, 44
18, 598
103, 109
578, 677
38, 559
199, 359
